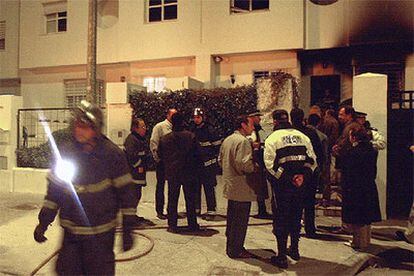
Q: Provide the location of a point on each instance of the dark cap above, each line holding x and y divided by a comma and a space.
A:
280, 115
359, 114
255, 113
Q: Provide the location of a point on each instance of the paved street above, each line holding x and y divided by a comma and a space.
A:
189, 254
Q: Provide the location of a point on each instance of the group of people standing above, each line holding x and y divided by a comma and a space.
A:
293, 158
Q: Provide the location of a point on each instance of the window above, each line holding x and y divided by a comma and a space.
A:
2, 35
262, 74
155, 84
161, 10
243, 6
75, 92
56, 22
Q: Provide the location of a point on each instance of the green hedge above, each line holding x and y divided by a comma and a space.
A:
39, 157
221, 105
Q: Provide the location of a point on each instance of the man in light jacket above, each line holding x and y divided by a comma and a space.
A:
236, 160
159, 130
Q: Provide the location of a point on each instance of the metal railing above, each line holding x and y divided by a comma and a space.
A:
32, 124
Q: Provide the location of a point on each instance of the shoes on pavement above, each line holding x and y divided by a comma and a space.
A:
211, 213
353, 246
279, 261
294, 254
243, 255
263, 216
172, 229
194, 228
311, 235
161, 216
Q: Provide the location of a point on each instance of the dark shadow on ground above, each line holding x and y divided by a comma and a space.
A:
203, 232
395, 258
305, 266
328, 237
213, 218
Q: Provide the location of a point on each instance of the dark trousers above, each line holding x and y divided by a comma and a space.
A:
236, 228
87, 255
261, 206
174, 187
159, 189
287, 206
309, 203
209, 182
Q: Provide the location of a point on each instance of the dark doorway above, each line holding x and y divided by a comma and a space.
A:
325, 91
400, 174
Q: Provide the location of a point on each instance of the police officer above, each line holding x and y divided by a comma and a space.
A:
209, 149
136, 150
290, 161
88, 184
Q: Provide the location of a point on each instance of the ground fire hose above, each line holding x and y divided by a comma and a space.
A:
118, 230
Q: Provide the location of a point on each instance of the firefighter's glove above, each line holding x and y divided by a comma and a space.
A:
39, 233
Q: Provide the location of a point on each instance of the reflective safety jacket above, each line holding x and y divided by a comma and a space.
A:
288, 152
101, 187
136, 151
209, 145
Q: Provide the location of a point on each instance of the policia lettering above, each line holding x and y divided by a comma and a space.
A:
88, 204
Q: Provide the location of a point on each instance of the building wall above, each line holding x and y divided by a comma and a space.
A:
409, 72
326, 25
201, 27
9, 12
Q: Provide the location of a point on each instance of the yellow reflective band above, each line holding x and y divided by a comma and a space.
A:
93, 188
86, 230
279, 172
138, 163
216, 143
122, 180
205, 144
139, 181
50, 204
292, 158
210, 162
128, 211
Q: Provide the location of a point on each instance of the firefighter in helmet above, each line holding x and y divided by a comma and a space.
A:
210, 145
88, 183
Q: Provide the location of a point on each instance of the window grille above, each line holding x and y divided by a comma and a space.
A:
243, 6
75, 92
162, 10
2, 35
155, 84
262, 74
56, 22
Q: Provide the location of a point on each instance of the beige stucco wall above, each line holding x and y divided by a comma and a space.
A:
326, 25
9, 12
201, 27
409, 72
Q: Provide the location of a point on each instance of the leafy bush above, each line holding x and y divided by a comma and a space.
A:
221, 106
39, 157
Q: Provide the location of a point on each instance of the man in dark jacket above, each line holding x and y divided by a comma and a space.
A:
260, 176
209, 148
88, 184
136, 150
297, 118
180, 152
